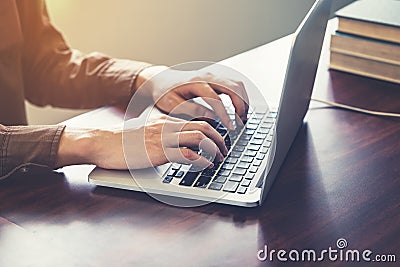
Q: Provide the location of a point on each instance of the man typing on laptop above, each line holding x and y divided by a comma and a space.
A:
36, 64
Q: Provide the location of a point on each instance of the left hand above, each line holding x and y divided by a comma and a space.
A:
173, 90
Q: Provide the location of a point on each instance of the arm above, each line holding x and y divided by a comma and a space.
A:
55, 74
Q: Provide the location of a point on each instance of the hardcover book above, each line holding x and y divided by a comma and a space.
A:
378, 19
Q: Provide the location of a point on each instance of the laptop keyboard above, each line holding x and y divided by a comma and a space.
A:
247, 147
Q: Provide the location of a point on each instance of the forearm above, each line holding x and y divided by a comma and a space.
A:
101, 147
55, 74
75, 147
75, 80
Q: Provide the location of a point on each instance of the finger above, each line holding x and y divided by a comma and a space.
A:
204, 90
238, 95
194, 110
194, 139
209, 131
163, 119
201, 126
187, 156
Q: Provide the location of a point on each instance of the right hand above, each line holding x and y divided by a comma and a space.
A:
160, 141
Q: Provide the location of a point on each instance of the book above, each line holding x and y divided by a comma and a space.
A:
378, 19
365, 67
365, 47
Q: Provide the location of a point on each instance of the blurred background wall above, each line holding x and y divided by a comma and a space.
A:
170, 32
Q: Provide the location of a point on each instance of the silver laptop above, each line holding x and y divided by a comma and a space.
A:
256, 150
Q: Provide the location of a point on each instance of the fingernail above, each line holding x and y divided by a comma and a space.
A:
225, 152
210, 166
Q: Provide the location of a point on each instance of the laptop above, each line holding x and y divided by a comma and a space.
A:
256, 150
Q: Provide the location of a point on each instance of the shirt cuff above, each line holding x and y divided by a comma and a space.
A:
21, 146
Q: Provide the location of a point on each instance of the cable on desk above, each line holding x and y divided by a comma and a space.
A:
360, 110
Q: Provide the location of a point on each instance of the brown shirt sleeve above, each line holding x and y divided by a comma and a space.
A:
22, 146
54, 74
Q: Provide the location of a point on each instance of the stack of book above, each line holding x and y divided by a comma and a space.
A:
367, 41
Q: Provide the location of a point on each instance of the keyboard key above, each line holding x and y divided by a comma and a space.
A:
263, 130
242, 142
243, 164
171, 172
247, 159
231, 160
254, 120
213, 123
215, 186
253, 169
238, 148
272, 114
202, 181
260, 156
264, 150
254, 147
249, 131
249, 176
167, 179
235, 133
220, 179
239, 171
228, 166
179, 174
235, 154
259, 115
246, 183
257, 141
236, 178
242, 190
209, 172
189, 178
251, 126
250, 153
227, 142
245, 137
175, 166
260, 136
216, 165
231, 186
257, 162
224, 172
267, 144
222, 130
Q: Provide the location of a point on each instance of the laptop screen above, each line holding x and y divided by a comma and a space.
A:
298, 85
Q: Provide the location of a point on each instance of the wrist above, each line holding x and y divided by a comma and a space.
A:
145, 76
76, 147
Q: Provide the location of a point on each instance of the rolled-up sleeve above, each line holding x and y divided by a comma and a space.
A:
22, 146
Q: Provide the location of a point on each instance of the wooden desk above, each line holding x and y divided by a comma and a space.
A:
341, 179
